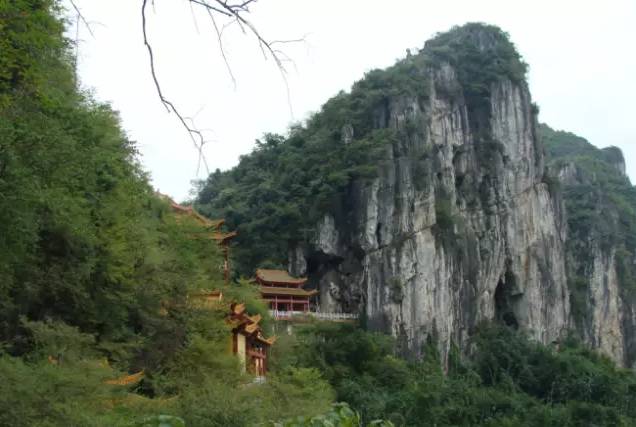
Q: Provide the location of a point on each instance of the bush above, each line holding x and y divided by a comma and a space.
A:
509, 380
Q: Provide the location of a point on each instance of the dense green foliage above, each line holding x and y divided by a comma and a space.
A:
96, 273
340, 415
276, 193
95, 270
74, 204
279, 192
509, 381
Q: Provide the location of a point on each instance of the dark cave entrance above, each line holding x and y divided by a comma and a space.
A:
504, 302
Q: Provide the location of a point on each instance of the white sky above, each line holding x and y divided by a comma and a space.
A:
581, 55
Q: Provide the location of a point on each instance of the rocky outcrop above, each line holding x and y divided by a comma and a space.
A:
459, 227
614, 157
599, 262
604, 330
429, 200
469, 221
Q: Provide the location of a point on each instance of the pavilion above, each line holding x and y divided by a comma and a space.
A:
248, 342
283, 292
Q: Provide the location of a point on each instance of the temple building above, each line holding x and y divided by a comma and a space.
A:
248, 342
283, 292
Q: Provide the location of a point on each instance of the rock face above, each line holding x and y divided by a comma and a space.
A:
458, 227
429, 200
606, 313
599, 254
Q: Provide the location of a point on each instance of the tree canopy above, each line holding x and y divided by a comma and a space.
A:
96, 323
96, 270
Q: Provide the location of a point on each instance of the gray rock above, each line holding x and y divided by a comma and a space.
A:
454, 230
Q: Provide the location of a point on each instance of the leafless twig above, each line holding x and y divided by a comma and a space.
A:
237, 12
219, 35
234, 13
195, 135
80, 17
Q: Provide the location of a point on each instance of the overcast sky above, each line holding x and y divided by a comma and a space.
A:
581, 55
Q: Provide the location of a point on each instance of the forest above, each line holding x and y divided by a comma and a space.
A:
95, 273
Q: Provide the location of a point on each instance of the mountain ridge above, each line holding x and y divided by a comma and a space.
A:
426, 202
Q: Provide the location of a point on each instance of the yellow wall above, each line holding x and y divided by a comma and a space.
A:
241, 350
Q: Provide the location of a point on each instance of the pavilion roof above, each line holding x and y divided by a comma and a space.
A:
241, 322
127, 379
189, 211
255, 318
296, 292
268, 341
251, 328
223, 237
237, 309
278, 276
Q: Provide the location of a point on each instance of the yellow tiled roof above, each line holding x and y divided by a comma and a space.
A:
189, 210
268, 341
251, 328
126, 380
238, 309
278, 276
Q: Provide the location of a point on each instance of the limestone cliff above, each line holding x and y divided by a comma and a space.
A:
459, 226
423, 199
600, 260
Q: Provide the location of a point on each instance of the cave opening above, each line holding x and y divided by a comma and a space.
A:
378, 234
504, 310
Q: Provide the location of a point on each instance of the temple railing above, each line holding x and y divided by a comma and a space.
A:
334, 316
280, 314
286, 314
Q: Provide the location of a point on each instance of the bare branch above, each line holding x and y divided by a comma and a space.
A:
285, 58
220, 39
195, 135
210, 7
245, 3
235, 14
194, 18
81, 18
235, 11
303, 39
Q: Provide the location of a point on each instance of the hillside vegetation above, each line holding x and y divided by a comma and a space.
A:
95, 270
509, 380
600, 203
95, 273
277, 194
